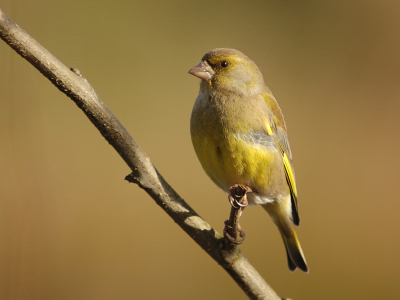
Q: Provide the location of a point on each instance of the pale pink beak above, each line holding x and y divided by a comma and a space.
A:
202, 71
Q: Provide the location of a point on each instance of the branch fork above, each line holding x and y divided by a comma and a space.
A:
76, 87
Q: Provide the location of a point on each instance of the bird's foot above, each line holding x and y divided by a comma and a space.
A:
237, 194
238, 200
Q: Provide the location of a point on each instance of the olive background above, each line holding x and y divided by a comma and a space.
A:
72, 228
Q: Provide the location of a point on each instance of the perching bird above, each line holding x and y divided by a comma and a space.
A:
240, 137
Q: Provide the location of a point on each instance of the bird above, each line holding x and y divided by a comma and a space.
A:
240, 137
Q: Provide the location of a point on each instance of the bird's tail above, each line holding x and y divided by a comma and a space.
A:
282, 220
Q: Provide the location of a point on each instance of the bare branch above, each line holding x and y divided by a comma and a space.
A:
76, 87
238, 199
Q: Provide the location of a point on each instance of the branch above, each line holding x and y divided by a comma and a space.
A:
238, 199
76, 87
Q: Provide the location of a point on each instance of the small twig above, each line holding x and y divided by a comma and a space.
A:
238, 200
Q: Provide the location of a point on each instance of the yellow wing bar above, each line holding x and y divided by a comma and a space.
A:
289, 174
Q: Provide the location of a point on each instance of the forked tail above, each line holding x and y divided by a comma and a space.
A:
281, 215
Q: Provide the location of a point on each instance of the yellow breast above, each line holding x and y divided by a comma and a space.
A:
229, 152
231, 160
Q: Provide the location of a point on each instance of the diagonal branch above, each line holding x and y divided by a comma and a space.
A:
76, 87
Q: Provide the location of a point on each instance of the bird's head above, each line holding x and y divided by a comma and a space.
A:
228, 70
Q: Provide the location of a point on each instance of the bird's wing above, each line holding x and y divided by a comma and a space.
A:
276, 125
284, 147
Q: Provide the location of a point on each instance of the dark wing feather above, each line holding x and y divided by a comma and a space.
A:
289, 172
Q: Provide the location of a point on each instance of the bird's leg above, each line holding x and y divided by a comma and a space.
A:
237, 194
238, 199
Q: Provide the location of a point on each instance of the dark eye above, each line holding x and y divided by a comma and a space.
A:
224, 64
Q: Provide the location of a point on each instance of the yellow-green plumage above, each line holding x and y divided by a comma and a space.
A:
239, 135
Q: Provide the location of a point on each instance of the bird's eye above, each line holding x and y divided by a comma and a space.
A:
224, 64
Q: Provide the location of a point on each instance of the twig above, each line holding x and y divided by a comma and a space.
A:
238, 199
76, 87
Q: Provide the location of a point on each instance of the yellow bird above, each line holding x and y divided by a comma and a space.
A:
240, 137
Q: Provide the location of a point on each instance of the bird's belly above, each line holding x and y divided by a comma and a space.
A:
233, 161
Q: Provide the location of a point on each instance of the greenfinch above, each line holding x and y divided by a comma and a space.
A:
240, 137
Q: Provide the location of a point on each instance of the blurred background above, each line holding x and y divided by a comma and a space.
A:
72, 228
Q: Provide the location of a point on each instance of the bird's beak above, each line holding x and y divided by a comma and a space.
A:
202, 71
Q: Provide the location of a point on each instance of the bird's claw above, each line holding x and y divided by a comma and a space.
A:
237, 203
237, 194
